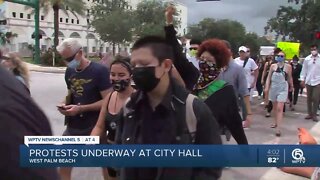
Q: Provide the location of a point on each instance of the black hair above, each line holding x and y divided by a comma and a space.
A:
159, 47
195, 41
276, 51
125, 61
314, 45
295, 57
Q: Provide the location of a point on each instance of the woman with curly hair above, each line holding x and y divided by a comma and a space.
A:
213, 54
14, 64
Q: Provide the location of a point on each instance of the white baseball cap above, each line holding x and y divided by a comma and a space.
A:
243, 48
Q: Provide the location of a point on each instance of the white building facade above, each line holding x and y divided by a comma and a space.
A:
21, 21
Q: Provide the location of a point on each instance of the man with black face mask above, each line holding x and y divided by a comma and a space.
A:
156, 113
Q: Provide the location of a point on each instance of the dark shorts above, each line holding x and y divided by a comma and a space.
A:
77, 132
112, 172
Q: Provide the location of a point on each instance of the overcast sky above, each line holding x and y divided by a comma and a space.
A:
253, 14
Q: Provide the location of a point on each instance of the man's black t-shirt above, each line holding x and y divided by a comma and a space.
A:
19, 117
85, 87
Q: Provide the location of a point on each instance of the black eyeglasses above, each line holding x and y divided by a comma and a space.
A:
192, 48
69, 59
280, 56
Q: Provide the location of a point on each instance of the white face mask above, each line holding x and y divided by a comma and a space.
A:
314, 52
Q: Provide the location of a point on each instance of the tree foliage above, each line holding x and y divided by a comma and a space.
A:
113, 21
298, 25
150, 18
75, 7
229, 30
117, 23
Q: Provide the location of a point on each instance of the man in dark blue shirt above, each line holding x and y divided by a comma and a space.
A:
88, 83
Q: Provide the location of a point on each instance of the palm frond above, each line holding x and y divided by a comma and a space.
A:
75, 6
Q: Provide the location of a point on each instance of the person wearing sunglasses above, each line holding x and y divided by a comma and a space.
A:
278, 84
310, 78
88, 83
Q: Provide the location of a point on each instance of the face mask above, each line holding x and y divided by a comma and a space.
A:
120, 85
314, 52
144, 78
74, 64
193, 53
279, 59
209, 72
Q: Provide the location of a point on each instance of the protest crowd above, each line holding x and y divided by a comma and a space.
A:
164, 92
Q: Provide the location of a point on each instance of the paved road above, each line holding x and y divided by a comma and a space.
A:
49, 89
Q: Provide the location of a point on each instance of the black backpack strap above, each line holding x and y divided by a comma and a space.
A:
191, 119
183, 135
245, 62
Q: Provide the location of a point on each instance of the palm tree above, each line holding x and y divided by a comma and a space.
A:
76, 7
6, 37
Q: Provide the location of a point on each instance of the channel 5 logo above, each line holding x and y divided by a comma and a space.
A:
297, 155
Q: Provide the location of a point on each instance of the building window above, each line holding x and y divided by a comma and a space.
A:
42, 18
78, 22
61, 20
29, 16
21, 15
67, 20
67, 8
14, 14
72, 21
107, 49
88, 21
93, 49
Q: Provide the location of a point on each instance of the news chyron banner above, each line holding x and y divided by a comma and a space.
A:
85, 151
